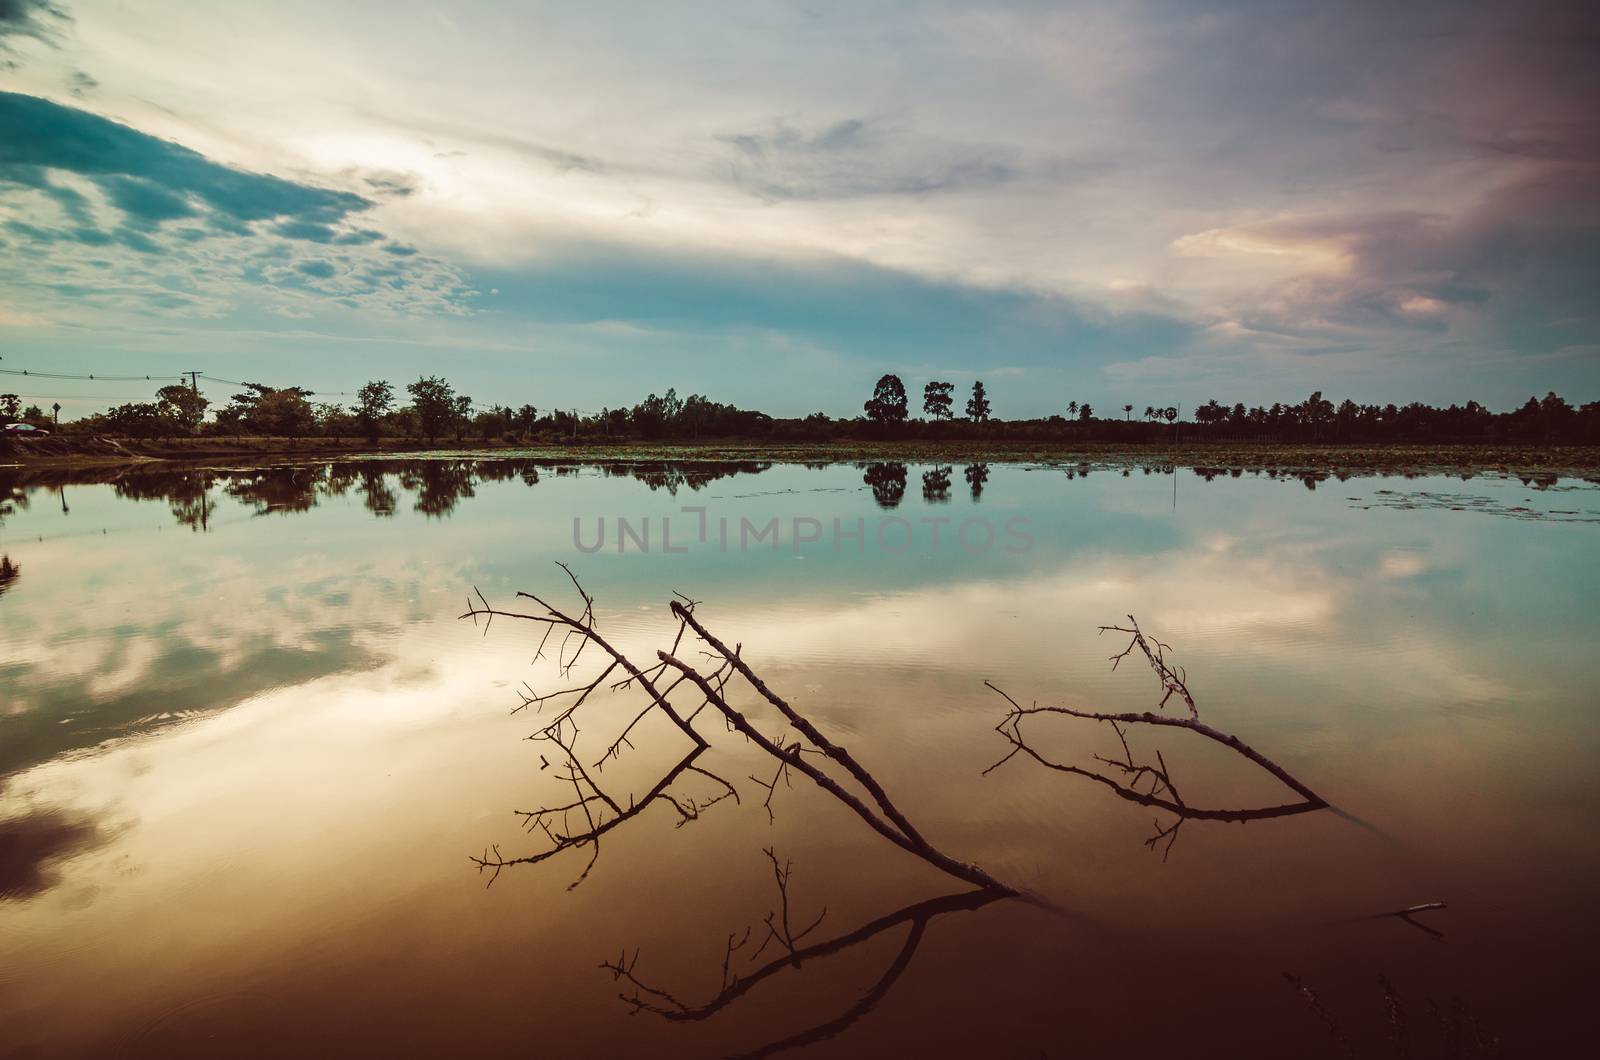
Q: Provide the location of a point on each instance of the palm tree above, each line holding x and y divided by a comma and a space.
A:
1127, 412
1072, 408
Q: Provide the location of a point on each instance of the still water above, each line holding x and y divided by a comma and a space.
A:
248, 748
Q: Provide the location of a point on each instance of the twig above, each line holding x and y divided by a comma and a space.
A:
1161, 791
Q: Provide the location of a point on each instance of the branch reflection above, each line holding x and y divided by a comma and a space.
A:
915, 918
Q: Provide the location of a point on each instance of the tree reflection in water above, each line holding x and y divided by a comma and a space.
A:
440, 484
437, 486
977, 476
887, 482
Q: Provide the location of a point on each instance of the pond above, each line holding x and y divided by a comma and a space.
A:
249, 751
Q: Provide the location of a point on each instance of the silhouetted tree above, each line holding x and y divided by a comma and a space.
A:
888, 402
269, 410
936, 485
283, 412
373, 402
491, 424
1127, 412
978, 404
1315, 412
138, 419
184, 405
434, 402
1210, 412
655, 416
463, 416
936, 399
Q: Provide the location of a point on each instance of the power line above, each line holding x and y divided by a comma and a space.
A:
179, 376
235, 382
96, 378
75, 397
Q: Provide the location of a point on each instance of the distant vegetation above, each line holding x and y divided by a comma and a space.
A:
431, 410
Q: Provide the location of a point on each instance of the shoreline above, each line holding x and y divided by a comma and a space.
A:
1578, 461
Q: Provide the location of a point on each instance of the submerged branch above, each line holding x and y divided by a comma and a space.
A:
602, 812
1160, 791
590, 812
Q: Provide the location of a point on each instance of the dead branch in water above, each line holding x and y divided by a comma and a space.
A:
1409, 914
683, 693
644, 997
1159, 791
1173, 682
592, 811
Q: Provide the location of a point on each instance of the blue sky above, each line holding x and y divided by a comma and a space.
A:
572, 205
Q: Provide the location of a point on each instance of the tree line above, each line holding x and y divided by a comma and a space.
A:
431, 409
1551, 418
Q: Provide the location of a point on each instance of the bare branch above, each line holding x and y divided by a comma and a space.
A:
1173, 681
1159, 790
818, 740
602, 812
917, 846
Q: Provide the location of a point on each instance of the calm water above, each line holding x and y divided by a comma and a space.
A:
247, 748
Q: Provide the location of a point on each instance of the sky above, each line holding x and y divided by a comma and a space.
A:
571, 205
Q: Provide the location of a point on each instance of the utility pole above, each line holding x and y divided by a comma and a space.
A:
194, 379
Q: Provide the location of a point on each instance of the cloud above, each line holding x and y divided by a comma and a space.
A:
195, 225
858, 157
41, 136
1522, 266
397, 185
39, 19
746, 320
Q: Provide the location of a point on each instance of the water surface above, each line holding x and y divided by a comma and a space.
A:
247, 748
